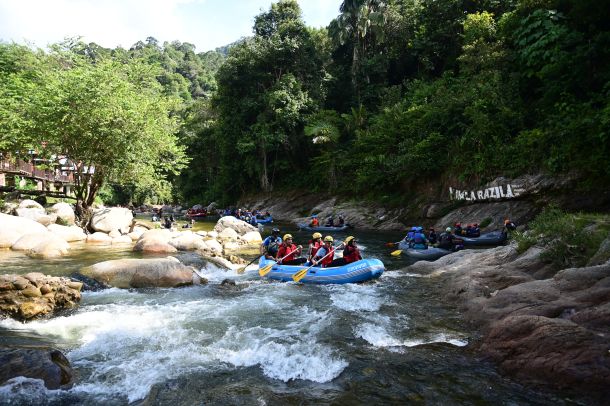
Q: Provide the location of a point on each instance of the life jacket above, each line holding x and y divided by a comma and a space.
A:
272, 244
288, 251
328, 258
419, 238
410, 235
351, 254
315, 222
314, 247
445, 240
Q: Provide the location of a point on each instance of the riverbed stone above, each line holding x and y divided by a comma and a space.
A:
50, 249
30, 204
213, 245
252, 237
99, 238
47, 364
155, 241
13, 227
538, 322
109, 219
141, 273
64, 212
212, 234
29, 241
239, 226
36, 294
122, 239
228, 234
188, 241
68, 233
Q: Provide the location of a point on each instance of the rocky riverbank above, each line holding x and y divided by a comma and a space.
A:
437, 205
538, 323
28, 296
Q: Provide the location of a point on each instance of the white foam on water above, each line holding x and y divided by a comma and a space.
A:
284, 354
354, 298
378, 336
122, 349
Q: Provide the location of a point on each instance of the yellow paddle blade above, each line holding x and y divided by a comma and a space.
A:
396, 253
242, 269
300, 274
265, 270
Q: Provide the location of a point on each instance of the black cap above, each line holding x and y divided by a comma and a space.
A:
275, 230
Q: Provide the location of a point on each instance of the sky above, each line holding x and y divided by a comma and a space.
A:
110, 23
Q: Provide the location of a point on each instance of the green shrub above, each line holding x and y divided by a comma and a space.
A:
486, 221
570, 239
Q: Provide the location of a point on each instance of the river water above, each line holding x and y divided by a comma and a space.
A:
390, 341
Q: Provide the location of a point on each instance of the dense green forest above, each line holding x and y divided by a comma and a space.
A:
389, 94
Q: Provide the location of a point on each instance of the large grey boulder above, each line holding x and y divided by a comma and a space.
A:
30, 204
13, 227
155, 241
112, 219
241, 227
64, 212
143, 273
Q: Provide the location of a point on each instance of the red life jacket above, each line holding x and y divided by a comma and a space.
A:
290, 251
314, 247
328, 258
351, 254
315, 222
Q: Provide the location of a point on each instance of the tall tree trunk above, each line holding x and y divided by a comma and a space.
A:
265, 185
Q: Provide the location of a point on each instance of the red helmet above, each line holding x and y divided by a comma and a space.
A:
458, 224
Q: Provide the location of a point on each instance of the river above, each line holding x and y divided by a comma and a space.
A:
391, 341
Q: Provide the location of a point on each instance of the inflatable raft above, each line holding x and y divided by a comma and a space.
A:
430, 254
358, 271
487, 239
304, 226
265, 220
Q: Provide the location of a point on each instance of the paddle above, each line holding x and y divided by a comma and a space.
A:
396, 253
301, 273
266, 269
242, 270
392, 244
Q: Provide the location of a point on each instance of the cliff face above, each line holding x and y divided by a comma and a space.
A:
440, 203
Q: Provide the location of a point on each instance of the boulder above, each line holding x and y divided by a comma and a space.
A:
99, 238
253, 237
212, 234
602, 255
188, 241
13, 227
202, 233
30, 204
34, 294
230, 246
111, 219
155, 241
114, 234
239, 226
29, 241
135, 235
47, 364
64, 212
213, 246
142, 273
68, 233
228, 234
38, 215
54, 248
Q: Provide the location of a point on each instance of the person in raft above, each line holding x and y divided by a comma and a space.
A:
314, 245
271, 244
287, 254
321, 258
419, 240
351, 253
314, 221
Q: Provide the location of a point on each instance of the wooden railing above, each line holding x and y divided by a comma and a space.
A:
29, 170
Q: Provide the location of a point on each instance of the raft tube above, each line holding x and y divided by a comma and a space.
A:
358, 271
488, 239
266, 220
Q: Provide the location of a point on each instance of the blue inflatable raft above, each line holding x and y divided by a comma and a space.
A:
265, 220
358, 271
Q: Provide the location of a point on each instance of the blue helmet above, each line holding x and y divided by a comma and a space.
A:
413, 228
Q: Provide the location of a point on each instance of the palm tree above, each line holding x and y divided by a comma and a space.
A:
357, 21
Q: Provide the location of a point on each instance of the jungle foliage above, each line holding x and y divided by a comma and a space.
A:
390, 93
